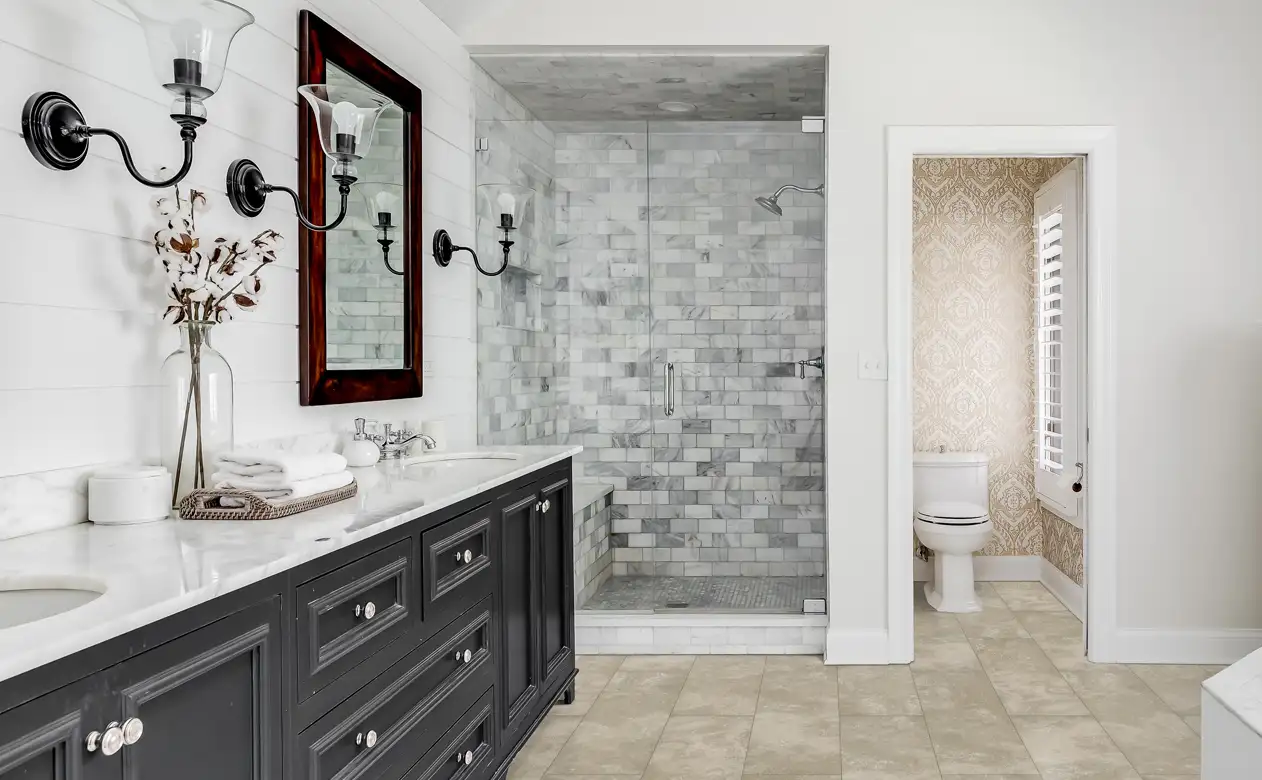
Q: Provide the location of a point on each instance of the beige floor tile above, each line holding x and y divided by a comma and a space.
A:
611, 744
534, 759
1158, 743
942, 655
989, 777
594, 672
700, 746
938, 625
1178, 686
988, 596
797, 684
956, 692
1028, 597
603, 777
1050, 625
1026, 680
1113, 691
876, 690
642, 687
1194, 722
992, 624
658, 663
1072, 748
793, 777
977, 742
886, 748
722, 685
794, 743
1172, 777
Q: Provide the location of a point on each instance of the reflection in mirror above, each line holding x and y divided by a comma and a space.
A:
365, 268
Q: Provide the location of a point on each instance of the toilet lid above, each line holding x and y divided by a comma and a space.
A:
952, 512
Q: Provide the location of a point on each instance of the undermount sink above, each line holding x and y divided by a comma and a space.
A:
445, 457
28, 599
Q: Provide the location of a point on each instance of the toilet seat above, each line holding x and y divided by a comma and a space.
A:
959, 513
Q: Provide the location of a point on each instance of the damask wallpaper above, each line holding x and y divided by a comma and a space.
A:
1062, 544
974, 294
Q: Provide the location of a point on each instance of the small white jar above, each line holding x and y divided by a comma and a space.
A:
129, 494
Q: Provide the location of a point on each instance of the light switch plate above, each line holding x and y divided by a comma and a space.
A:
872, 365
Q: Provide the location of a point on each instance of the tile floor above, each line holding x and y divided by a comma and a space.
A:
1000, 695
707, 594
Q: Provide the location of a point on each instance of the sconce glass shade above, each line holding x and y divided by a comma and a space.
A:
510, 206
188, 45
346, 118
383, 204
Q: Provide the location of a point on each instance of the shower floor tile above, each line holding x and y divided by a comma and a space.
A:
706, 594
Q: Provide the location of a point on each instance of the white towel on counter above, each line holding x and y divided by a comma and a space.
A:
275, 469
283, 492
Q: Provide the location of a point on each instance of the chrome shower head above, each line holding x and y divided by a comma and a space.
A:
770, 205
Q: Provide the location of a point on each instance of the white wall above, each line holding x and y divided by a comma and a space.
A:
1180, 81
80, 344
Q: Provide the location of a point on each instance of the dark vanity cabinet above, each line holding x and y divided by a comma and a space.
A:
428, 652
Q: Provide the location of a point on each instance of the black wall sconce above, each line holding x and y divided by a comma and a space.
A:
188, 44
347, 120
382, 202
511, 202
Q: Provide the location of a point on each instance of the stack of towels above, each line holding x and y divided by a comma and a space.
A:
281, 476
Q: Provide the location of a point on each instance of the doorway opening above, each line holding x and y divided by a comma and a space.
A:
1000, 260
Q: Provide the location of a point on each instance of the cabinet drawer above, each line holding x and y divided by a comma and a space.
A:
347, 615
463, 751
402, 712
457, 566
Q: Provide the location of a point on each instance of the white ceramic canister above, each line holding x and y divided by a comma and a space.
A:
129, 494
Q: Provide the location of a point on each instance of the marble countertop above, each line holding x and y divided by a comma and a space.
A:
1239, 688
151, 571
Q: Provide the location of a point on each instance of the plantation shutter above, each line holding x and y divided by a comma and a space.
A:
1059, 353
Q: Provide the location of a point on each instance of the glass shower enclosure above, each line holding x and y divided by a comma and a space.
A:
673, 314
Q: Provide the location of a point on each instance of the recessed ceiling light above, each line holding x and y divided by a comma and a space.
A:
676, 107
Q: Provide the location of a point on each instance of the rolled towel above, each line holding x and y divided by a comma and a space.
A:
279, 468
300, 489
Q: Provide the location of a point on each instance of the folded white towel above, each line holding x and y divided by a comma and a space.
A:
277, 468
299, 489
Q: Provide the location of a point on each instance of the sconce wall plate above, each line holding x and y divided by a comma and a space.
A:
48, 121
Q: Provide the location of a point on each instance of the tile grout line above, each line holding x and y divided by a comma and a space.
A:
752, 721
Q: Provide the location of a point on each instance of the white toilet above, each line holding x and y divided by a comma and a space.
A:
951, 494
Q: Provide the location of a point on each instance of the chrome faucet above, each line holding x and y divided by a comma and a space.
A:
813, 363
394, 444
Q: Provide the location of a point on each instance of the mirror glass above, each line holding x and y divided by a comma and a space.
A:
365, 263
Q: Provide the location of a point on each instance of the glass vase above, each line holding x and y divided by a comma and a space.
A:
196, 410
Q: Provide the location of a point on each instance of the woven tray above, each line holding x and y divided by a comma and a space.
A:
206, 504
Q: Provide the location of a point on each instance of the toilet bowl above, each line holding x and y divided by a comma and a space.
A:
951, 495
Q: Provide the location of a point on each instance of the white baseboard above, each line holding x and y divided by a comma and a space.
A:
858, 647
648, 633
1070, 593
1190, 646
991, 568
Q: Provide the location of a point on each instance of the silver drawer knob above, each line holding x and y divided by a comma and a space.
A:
368, 740
465, 758
133, 730
465, 657
367, 611
538, 506
464, 557
547, 506
108, 742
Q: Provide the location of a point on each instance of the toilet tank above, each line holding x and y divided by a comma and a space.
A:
951, 476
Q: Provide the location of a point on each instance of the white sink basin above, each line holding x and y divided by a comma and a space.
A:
30, 598
444, 457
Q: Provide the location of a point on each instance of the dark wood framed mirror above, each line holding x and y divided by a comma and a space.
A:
360, 284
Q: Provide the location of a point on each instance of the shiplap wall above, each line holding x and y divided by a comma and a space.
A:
80, 338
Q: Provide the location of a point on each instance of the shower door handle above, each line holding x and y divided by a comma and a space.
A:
668, 394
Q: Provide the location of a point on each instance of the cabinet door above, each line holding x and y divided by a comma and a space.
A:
557, 580
521, 667
44, 739
209, 702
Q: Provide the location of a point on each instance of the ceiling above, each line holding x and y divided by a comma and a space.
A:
584, 86
457, 13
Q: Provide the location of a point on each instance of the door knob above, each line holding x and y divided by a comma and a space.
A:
133, 730
108, 742
367, 611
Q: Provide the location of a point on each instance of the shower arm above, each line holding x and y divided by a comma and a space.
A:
809, 190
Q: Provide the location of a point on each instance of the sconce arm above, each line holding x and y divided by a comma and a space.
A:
187, 133
343, 188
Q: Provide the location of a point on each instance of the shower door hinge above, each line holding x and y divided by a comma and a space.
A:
815, 606
813, 124
482, 144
